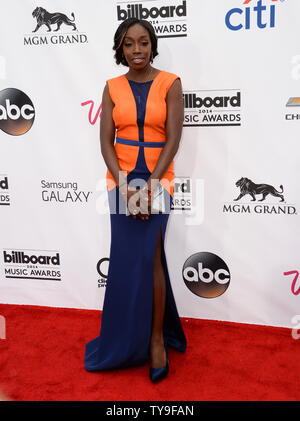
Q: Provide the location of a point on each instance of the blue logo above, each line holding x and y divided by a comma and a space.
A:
256, 15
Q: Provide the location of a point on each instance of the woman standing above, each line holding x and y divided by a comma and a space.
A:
145, 107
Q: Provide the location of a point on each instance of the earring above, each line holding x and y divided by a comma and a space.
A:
151, 57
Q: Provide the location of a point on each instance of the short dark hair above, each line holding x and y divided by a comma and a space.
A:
120, 35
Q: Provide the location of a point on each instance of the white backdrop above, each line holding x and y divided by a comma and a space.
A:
228, 259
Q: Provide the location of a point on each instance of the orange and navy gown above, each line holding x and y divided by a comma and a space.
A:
139, 115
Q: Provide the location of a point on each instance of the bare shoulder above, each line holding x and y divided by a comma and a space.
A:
176, 84
172, 82
175, 89
106, 98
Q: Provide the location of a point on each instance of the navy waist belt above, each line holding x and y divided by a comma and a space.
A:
138, 143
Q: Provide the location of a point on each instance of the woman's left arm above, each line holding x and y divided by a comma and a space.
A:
174, 122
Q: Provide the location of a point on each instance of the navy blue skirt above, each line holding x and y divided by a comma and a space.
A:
126, 323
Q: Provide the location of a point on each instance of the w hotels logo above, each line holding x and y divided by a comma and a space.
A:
259, 14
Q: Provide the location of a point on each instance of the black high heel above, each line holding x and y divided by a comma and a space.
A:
157, 374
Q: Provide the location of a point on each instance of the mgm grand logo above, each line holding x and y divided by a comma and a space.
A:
252, 193
47, 23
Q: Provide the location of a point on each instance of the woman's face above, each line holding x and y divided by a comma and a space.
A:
137, 47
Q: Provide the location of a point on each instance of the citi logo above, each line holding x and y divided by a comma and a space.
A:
141, 12
257, 15
248, 1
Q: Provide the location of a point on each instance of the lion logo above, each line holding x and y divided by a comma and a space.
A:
45, 18
248, 187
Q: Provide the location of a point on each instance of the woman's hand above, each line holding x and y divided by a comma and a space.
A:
139, 204
145, 204
137, 201
133, 202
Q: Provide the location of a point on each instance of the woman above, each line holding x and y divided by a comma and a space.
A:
145, 106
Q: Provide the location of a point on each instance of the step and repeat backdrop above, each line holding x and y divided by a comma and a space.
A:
233, 237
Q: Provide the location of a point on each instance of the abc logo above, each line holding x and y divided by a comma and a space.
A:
16, 112
99, 264
103, 276
206, 275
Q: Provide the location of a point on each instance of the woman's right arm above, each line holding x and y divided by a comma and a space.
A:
107, 137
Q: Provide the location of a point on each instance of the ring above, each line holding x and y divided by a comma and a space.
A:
134, 211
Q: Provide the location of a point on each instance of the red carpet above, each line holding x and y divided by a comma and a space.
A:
42, 359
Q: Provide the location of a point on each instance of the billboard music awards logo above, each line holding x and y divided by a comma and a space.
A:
212, 108
167, 18
256, 14
182, 197
293, 103
16, 112
251, 193
4, 190
102, 269
63, 192
206, 275
47, 26
32, 264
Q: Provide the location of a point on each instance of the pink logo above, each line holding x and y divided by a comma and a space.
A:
98, 112
248, 1
293, 286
